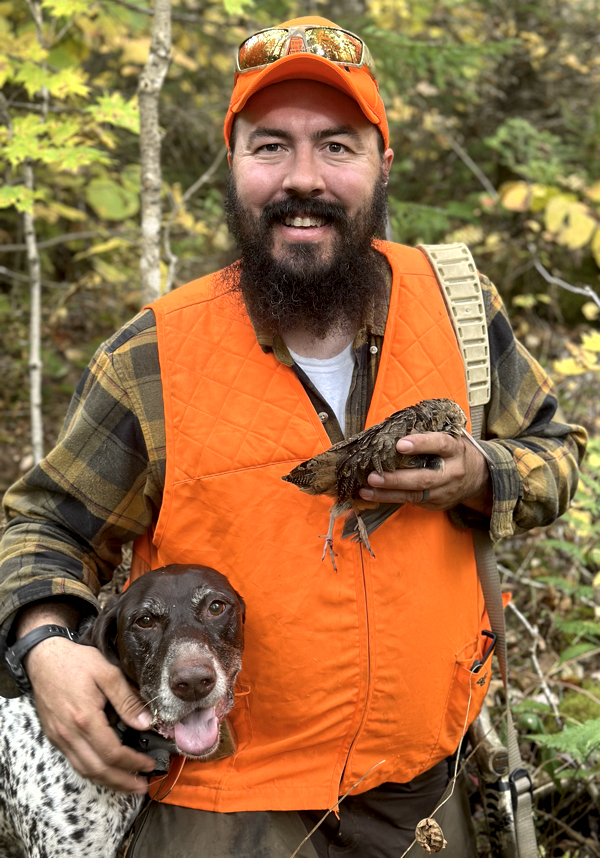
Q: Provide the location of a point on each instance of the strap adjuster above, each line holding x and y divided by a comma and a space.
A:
520, 783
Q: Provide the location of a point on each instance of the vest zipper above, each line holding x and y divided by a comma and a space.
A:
368, 674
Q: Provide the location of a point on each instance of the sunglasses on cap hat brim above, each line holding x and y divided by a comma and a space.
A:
329, 43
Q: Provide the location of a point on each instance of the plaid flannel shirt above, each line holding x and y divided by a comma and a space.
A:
101, 486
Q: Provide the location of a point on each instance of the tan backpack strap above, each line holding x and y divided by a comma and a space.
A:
459, 282
457, 276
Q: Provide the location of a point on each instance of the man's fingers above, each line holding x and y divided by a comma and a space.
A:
127, 704
95, 764
433, 443
72, 685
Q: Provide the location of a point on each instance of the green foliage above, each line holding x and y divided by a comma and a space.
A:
579, 740
537, 155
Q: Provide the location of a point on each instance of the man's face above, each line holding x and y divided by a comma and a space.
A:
304, 141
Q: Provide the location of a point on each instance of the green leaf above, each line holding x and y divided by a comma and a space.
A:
18, 196
110, 200
237, 7
72, 158
66, 8
24, 141
575, 652
67, 82
579, 741
114, 109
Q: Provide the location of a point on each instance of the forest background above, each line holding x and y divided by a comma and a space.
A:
494, 115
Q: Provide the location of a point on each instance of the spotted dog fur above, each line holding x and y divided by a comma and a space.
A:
177, 634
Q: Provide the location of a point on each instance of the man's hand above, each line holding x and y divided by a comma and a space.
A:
71, 685
463, 478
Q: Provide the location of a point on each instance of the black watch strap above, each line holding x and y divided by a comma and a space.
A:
16, 653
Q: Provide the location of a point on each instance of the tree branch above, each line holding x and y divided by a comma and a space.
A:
204, 178
549, 278
35, 327
62, 239
175, 16
150, 85
535, 635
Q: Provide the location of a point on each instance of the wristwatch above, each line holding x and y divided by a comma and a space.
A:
15, 655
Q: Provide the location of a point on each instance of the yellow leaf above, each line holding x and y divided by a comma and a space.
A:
68, 212
540, 194
593, 192
591, 311
579, 227
103, 247
136, 51
591, 342
568, 366
596, 246
515, 196
183, 60
556, 211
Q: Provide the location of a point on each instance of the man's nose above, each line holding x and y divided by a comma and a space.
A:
304, 176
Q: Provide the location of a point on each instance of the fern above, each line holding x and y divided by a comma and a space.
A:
579, 741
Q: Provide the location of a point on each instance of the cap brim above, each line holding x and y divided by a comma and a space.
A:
306, 67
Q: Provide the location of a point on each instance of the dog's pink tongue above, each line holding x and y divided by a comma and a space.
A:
198, 732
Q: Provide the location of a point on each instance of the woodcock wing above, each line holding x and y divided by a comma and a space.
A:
342, 471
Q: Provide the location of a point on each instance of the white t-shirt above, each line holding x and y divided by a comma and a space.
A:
332, 377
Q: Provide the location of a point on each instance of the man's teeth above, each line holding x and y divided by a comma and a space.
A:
304, 221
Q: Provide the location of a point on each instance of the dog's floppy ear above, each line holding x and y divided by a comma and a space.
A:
242, 606
102, 631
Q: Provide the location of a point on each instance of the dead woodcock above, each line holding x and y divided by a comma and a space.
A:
342, 471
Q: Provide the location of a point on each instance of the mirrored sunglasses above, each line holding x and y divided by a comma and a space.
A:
337, 46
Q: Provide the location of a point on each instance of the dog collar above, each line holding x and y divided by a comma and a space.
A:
15, 654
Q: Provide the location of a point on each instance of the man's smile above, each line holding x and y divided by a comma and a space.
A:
304, 221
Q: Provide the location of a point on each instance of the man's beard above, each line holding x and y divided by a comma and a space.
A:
301, 290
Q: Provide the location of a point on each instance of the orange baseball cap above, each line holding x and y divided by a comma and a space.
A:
358, 83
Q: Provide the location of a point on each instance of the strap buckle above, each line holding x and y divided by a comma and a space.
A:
477, 665
520, 783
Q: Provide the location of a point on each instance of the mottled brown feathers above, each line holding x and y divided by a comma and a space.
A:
342, 471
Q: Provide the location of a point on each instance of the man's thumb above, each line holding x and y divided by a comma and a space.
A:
128, 705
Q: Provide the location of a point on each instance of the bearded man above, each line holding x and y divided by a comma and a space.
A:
179, 434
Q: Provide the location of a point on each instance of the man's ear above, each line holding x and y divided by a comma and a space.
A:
386, 164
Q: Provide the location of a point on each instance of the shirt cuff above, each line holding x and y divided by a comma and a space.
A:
507, 490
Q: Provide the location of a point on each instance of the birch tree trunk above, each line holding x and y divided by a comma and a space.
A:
35, 327
150, 85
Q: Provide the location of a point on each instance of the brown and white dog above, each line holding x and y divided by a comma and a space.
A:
177, 634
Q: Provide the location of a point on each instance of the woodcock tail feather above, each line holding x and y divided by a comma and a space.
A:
342, 471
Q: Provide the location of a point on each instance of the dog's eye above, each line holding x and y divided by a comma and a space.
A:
145, 622
216, 608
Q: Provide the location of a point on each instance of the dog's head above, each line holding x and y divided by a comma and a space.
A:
177, 633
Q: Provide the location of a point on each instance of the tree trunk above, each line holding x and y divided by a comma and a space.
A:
35, 328
150, 85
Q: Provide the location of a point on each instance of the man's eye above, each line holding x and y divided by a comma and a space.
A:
336, 148
145, 622
269, 147
216, 608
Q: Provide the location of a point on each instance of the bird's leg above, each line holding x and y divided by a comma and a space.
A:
329, 538
363, 533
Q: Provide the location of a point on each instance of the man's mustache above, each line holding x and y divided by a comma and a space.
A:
278, 210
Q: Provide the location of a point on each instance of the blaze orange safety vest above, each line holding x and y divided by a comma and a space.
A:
340, 670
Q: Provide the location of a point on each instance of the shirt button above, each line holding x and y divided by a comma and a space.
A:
373, 350
323, 416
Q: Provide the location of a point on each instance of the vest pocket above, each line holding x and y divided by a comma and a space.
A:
467, 693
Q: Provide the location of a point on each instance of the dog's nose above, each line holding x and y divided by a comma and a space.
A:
192, 682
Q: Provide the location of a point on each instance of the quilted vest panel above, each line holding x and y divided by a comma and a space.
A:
341, 670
